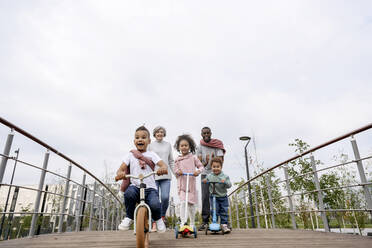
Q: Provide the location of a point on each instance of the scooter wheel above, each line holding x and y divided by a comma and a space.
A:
206, 231
195, 232
176, 232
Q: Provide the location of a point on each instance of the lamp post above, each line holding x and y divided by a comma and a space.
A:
248, 139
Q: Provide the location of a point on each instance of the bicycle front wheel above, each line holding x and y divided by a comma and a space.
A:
142, 228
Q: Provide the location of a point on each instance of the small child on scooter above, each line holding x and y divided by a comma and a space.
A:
222, 202
141, 161
187, 162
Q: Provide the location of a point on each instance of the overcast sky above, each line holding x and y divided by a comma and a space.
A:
82, 75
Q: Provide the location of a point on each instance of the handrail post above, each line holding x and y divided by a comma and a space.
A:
237, 212
79, 212
122, 213
6, 152
70, 213
107, 206
264, 208
100, 226
294, 225
256, 205
112, 215
62, 213
118, 215
270, 201
92, 206
245, 210
38, 195
230, 217
77, 205
362, 175
320, 195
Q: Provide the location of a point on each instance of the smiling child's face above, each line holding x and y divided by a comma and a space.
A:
216, 168
141, 140
184, 147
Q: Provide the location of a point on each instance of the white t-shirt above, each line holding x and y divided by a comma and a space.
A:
135, 169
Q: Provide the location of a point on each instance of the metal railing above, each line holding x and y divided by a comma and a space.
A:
297, 193
68, 205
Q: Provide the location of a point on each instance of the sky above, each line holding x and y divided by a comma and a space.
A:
83, 75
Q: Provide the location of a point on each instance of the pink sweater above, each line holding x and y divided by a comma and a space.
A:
187, 164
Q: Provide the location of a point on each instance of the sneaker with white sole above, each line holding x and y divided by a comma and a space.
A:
125, 224
225, 228
160, 225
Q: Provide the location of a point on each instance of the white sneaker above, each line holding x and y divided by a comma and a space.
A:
160, 225
125, 224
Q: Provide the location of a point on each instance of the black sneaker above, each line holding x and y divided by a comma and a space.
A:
202, 226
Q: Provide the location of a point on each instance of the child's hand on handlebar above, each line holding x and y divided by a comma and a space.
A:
162, 171
196, 173
204, 180
223, 181
120, 175
179, 172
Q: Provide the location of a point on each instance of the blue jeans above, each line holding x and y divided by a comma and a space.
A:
163, 189
132, 197
222, 205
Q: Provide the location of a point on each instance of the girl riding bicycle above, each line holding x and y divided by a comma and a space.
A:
141, 161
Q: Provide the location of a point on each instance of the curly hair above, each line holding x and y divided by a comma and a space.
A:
188, 139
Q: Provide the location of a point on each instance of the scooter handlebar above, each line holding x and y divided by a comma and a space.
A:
185, 174
215, 182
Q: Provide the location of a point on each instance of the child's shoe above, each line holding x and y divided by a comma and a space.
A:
161, 226
125, 224
225, 228
203, 226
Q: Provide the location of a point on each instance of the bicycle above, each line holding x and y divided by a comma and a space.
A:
142, 214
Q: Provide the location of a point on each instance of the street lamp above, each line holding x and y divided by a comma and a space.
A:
248, 139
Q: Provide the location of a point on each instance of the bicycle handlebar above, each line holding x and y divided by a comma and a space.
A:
141, 176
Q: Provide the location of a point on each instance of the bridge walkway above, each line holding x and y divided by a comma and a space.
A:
260, 238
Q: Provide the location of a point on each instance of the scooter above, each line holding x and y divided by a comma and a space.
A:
184, 229
214, 226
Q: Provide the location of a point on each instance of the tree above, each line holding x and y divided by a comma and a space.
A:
302, 181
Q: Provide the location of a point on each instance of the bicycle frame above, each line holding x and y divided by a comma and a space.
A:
142, 203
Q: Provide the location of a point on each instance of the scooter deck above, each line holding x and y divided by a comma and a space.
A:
185, 228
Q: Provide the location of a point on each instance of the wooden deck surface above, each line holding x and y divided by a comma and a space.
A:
260, 238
